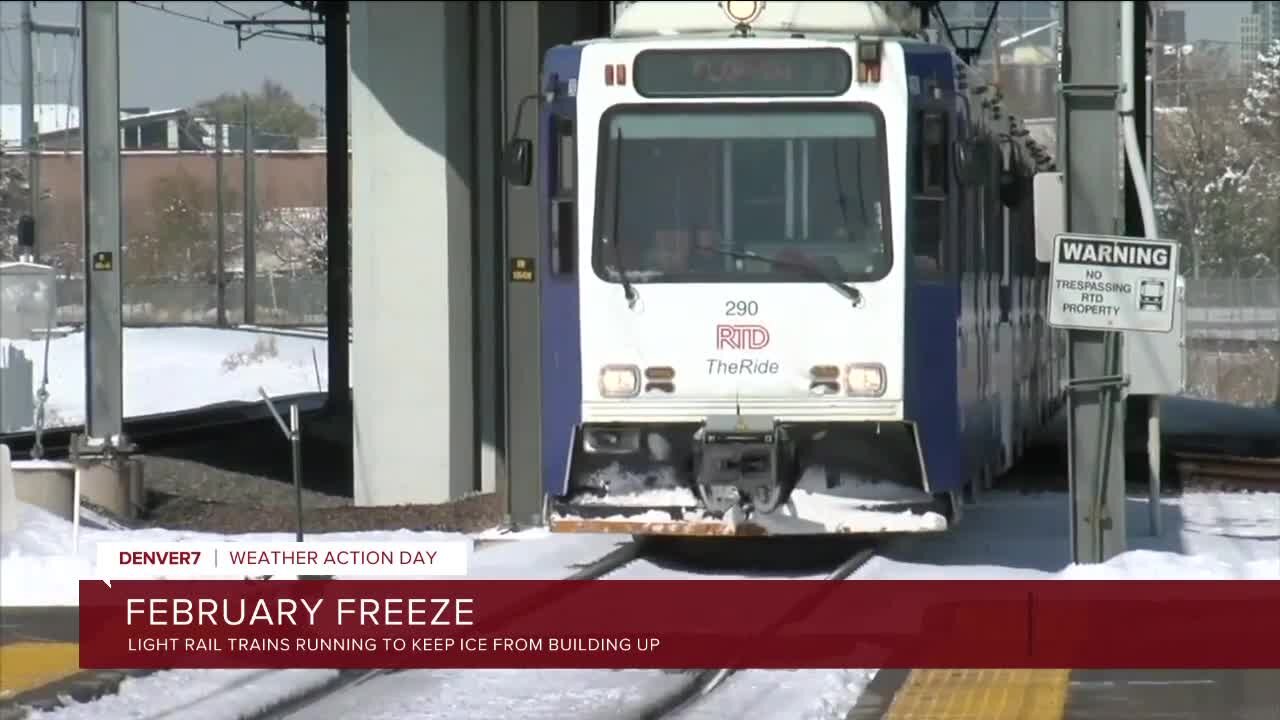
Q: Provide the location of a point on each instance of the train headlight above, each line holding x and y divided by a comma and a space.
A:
619, 381
865, 379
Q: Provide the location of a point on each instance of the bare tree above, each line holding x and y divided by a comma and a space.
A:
1216, 190
13, 200
176, 240
300, 238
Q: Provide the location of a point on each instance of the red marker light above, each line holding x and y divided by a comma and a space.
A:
869, 54
608, 74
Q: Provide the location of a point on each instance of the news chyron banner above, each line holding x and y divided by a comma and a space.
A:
412, 605
186, 560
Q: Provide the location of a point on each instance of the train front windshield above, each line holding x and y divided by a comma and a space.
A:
686, 193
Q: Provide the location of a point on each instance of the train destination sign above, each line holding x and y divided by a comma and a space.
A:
771, 72
1100, 282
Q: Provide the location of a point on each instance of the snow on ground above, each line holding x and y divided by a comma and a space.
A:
174, 369
466, 694
595, 694
196, 695
1206, 536
1010, 536
794, 694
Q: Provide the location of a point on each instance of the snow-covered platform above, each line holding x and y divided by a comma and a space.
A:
175, 369
180, 378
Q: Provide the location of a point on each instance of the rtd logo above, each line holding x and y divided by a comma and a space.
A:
741, 337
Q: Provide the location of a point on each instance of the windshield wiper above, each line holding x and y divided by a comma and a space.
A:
627, 290
854, 295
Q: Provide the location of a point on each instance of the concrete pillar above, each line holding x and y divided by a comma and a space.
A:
412, 308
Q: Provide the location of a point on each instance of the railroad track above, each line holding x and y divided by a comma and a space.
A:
699, 686
619, 557
704, 682
1227, 472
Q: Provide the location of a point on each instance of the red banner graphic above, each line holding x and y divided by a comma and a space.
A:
679, 624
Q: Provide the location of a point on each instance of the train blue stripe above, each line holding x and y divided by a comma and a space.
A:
561, 350
933, 343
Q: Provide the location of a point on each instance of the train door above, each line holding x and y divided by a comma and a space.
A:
936, 342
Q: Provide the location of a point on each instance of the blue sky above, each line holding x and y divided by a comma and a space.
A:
167, 61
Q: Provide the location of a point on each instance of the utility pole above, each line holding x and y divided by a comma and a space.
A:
30, 135
220, 239
30, 131
249, 222
100, 128
1093, 205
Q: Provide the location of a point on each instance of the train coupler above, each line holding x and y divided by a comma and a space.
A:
745, 461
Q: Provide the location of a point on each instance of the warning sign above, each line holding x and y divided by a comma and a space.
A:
1099, 282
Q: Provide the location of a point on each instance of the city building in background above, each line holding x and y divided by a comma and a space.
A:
1257, 31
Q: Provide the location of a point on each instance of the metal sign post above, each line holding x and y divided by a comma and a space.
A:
104, 397
1092, 204
293, 433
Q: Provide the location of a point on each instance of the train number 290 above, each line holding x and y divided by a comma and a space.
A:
741, 307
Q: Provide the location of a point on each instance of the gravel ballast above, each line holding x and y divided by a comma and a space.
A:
186, 495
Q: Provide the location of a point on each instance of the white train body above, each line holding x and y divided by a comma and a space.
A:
751, 247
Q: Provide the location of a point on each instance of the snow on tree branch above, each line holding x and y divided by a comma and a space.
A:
13, 201
1217, 181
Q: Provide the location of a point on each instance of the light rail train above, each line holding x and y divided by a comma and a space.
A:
791, 281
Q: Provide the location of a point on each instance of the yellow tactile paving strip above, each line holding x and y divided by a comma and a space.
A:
981, 695
28, 665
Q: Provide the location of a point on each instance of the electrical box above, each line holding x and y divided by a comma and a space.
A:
1048, 202
27, 299
1157, 362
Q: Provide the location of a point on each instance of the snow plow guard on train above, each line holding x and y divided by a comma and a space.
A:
698, 488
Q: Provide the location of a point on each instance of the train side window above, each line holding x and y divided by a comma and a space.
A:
929, 246
566, 158
933, 154
563, 215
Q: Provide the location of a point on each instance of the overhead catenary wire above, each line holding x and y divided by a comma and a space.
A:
162, 7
